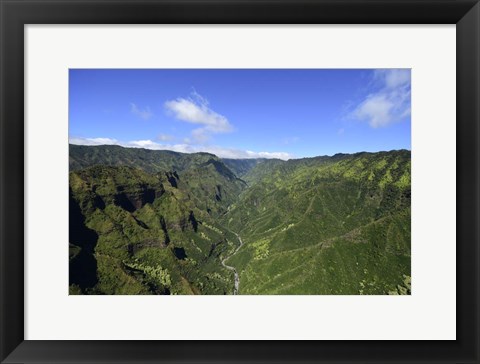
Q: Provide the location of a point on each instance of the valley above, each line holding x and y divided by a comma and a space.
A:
159, 222
229, 267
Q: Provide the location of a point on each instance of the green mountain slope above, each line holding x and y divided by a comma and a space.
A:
151, 161
241, 167
337, 225
159, 222
138, 233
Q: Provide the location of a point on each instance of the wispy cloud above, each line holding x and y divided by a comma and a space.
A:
183, 148
165, 137
200, 136
390, 100
392, 78
93, 141
144, 114
196, 110
291, 140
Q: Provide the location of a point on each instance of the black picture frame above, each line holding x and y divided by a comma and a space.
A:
17, 13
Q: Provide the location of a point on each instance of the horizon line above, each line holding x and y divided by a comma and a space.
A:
238, 158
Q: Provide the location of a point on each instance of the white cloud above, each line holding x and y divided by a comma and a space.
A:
183, 148
165, 137
390, 102
376, 109
144, 114
392, 78
147, 144
268, 155
93, 141
196, 110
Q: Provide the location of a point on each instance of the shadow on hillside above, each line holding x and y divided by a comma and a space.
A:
83, 268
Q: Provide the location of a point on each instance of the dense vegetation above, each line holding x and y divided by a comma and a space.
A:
160, 222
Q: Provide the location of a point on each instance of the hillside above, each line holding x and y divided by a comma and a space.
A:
338, 225
132, 232
242, 167
160, 222
151, 161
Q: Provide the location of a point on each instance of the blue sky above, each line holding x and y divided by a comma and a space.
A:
242, 113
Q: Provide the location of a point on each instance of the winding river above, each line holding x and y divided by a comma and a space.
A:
229, 267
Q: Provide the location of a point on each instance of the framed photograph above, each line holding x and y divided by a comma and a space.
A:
239, 181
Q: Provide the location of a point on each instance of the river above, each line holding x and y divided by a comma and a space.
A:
229, 267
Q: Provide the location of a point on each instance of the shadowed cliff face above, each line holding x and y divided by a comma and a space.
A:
83, 267
132, 202
172, 178
193, 221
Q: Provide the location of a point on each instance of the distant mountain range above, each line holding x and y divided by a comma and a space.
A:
161, 222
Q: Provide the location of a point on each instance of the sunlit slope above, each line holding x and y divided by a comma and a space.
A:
325, 225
